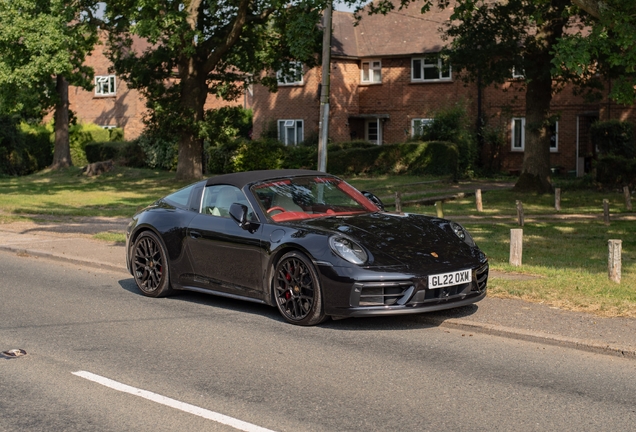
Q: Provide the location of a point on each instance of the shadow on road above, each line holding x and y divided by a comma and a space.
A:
404, 322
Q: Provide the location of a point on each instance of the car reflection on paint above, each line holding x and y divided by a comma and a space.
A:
306, 242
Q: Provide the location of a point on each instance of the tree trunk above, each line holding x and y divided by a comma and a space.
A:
194, 92
62, 149
535, 174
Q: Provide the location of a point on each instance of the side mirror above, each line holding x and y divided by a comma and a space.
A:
238, 212
374, 199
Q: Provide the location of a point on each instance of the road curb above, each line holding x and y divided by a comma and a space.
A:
592, 346
63, 258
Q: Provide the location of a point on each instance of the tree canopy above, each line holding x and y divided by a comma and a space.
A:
43, 45
178, 52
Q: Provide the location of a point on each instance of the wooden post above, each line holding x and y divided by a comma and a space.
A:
439, 208
628, 198
478, 202
398, 202
606, 215
519, 212
516, 246
614, 260
557, 199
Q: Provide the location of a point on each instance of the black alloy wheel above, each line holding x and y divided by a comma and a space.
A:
297, 290
150, 265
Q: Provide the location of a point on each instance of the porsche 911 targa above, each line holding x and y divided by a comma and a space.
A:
306, 242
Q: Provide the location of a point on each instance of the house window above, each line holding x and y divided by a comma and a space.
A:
105, 85
373, 131
518, 133
554, 137
430, 69
291, 76
417, 125
518, 73
371, 71
290, 132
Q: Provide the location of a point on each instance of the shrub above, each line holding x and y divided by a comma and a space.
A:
452, 125
245, 155
439, 158
83, 133
160, 151
23, 150
614, 137
614, 170
126, 153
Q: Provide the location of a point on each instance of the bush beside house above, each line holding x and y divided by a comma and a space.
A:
616, 164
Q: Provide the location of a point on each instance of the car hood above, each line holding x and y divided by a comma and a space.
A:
415, 241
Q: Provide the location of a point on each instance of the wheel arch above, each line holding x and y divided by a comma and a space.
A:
273, 260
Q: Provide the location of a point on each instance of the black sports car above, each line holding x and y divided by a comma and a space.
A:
304, 241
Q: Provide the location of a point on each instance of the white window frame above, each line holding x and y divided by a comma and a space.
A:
423, 122
522, 135
518, 75
429, 63
295, 69
108, 127
374, 68
378, 138
105, 85
285, 124
555, 148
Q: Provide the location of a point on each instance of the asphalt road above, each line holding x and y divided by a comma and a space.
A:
216, 357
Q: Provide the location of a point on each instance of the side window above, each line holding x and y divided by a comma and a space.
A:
180, 198
217, 200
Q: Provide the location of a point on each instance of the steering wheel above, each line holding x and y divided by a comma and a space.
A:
275, 208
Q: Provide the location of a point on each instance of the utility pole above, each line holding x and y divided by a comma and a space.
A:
323, 126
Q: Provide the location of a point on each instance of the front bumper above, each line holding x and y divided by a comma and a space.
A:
399, 296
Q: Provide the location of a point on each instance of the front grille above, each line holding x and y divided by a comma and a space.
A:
382, 293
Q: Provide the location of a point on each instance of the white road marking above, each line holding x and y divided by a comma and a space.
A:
201, 412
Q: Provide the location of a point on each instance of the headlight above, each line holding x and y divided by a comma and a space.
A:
348, 250
462, 233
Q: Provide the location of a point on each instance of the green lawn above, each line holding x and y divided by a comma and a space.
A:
567, 258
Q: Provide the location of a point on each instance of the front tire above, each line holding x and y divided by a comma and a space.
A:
150, 265
297, 290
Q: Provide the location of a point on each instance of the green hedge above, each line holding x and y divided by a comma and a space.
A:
437, 157
24, 148
614, 137
126, 153
83, 133
612, 171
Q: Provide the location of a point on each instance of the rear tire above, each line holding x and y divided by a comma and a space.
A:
150, 265
297, 291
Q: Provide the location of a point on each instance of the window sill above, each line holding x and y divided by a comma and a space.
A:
110, 96
364, 84
291, 85
517, 150
438, 81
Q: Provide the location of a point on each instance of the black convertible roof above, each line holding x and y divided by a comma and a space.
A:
241, 179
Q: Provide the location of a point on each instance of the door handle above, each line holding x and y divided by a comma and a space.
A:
195, 234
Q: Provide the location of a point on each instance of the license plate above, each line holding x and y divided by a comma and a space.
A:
448, 279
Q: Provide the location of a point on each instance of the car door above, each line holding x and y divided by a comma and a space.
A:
224, 256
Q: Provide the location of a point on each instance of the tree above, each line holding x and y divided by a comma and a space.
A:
43, 44
605, 47
201, 47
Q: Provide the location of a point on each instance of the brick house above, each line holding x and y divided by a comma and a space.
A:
111, 103
386, 81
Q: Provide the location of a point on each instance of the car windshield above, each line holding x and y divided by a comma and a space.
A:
310, 197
